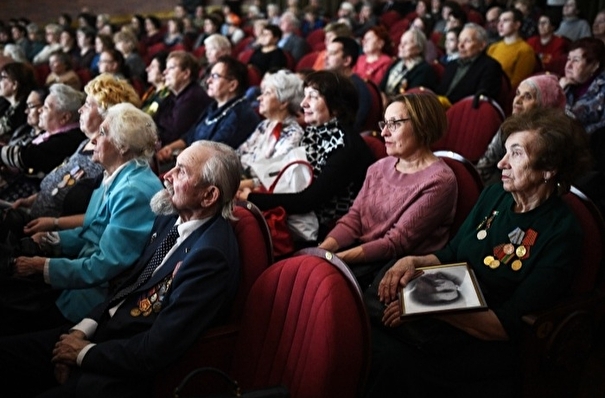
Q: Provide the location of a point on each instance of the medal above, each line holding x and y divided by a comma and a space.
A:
488, 260
516, 265
521, 251
55, 191
135, 312
508, 249
482, 234
494, 264
485, 225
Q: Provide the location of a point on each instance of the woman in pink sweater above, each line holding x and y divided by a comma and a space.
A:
408, 199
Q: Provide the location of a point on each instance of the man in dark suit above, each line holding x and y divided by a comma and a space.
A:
474, 71
175, 292
290, 41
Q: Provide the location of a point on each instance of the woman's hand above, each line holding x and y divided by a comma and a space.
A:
26, 266
25, 202
41, 224
329, 244
243, 194
164, 154
247, 183
392, 315
397, 276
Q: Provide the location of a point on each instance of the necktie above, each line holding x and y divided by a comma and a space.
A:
155, 261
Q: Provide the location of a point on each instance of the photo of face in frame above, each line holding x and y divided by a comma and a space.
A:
450, 287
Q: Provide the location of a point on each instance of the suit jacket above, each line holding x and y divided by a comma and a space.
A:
202, 277
116, 228
297, 46
484, 75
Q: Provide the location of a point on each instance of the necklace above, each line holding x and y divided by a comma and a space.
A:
208, 122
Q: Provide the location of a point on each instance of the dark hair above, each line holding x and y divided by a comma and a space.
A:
338, 92
21, 29
64, 58
455, 30
155, 21
553, 17
107, 41
427, 116
350, 48
179, 24
24, 75
119, 59
517, 14
66, 17
71, 32
381, 32
161, 57
275, 31
457, 11
560, 143
88, 18
89, 33
594, 50
237, 71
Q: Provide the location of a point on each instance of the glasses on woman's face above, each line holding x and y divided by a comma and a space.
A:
4, 76
392, 125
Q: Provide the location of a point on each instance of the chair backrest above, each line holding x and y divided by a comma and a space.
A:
254, 76
389, 18
307, 61
241, 46
469, 186
84, 74
591, 253
439, 70
245, 55
376, 145
376, 109
255, 250
472, 122
316, 39
304, 327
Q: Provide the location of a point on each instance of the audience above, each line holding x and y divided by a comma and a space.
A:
216, 46
451, 46
52, 34
598, 26
516, 57
127, 43
269, 55
332, 31
229, 120
86, 43
16, 83
62, 71
572, 26
547, 45
26, 133
375, 60
157, 91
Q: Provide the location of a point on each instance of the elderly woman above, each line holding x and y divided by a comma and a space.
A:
65, 192
411, 69
339, 157
216, 46
279, 103
584, 82
53, 34
115, 230
419, 211
524, 217
16, 82
230, 119
375, 60
25, 134
541, 91
62, 71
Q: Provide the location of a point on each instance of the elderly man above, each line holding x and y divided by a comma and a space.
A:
290, 41
187, 99
182, 284
59, 119
474, 72
517, 58
230, 119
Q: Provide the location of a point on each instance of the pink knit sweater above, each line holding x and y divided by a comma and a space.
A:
398, 214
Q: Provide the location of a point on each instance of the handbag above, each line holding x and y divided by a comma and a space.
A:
270, 392
283, 228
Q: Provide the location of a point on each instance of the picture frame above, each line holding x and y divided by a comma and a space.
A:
440, 289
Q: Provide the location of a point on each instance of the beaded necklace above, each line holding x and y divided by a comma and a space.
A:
208, 122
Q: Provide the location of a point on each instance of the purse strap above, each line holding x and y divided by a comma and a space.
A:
286, 167
236, 389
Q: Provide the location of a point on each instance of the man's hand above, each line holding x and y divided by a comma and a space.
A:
68, 347
62, 372
26, 266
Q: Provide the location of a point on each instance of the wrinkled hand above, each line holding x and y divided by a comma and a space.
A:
397, 276
243, 194
41, 224
62, 372
25, 266
392, 315
164, 154
68, 347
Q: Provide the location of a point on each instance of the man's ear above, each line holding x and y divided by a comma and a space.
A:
210, 196
348, 59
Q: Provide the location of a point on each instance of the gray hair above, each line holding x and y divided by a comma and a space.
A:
219, 41
289, 15
53, 27
67, 99
132, 131
288, 88
223, 170
480, 31
15, 52
419, 39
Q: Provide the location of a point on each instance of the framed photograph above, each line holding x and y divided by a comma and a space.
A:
441, 288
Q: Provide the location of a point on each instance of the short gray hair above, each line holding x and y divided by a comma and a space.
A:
288, 88
219, 41
480, 31
223, 170
292, 17
132, 130
15, 52
67, 99
419, 40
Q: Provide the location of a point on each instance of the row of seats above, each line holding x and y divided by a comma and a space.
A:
301, 322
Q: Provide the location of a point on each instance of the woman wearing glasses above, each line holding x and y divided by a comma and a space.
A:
408, 199
16, 82
25, 134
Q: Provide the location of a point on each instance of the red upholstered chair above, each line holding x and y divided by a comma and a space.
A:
199, 52
439, 70
315, 39
376, 109
241, 45
245, 55
397, 29
153, 50
41, 72
304, 327
469, 186
254, 76
307, 61
472, 122
559, 340
389, 18
215, 347
290, 61
84, 74
374, 141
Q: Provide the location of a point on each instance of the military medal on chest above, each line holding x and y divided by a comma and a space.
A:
514, 252
485, 225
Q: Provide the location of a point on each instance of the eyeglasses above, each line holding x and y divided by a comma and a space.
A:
392, 125
2, 77
215, 76
33, 106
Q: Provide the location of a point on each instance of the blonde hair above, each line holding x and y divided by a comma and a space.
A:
109, 90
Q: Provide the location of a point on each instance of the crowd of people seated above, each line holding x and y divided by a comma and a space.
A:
95, 116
